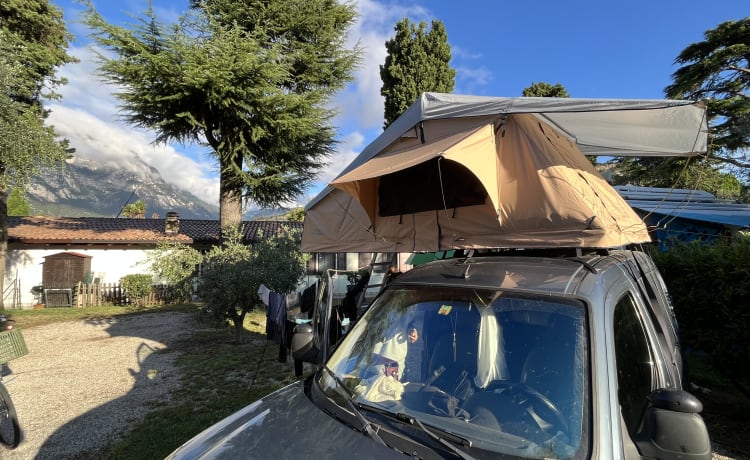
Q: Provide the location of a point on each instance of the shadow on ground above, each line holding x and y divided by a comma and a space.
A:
153, 378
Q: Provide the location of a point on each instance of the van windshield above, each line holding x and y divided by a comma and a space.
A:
508, 372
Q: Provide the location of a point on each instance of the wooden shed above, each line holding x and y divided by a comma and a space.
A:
60, 274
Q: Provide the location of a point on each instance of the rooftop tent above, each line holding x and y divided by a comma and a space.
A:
459, 172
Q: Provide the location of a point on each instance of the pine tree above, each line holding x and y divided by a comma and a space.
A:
717, 71
418, 61
250, 79
543, 89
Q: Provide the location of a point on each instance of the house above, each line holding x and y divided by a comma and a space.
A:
60, 251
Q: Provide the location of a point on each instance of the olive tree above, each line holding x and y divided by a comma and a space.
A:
33, 45
232, 273
175, 264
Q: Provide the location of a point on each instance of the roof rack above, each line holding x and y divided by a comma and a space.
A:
531, 252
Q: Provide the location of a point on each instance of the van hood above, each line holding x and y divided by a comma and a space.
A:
282, 425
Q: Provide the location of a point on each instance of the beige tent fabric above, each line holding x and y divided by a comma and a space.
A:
339, 224
541, 192
549, 189
473, 147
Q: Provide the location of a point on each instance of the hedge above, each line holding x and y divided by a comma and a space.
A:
709, 285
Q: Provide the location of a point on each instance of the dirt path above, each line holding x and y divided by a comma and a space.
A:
84, 382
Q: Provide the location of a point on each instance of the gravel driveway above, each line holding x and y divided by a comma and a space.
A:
84, 382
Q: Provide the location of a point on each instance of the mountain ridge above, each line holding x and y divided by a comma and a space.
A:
88, 188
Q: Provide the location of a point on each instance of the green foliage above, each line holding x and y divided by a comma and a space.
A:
232, 273
250, 79
296, 215
33, 43
278, 262
26, 144
137, 287
175, 264
18, 205
542, 89
224, 286
692, 173
35, 39
135, 210
710, 287
418, 61
717, 71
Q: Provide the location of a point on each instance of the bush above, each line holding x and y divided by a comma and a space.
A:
175, 264
232, 273
137, 287
709, 285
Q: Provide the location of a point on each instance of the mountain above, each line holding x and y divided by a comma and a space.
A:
87, 188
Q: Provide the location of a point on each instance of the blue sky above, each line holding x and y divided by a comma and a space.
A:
595, 49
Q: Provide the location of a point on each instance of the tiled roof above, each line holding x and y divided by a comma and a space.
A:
103, 230
207, 231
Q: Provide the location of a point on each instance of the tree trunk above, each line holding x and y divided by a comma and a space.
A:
230, 193
239, 325
3, 241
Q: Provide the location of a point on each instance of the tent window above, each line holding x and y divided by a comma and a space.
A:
419, 188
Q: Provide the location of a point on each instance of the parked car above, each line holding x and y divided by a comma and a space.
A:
503, 354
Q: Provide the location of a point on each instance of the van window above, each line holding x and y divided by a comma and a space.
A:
635, 362
507, 371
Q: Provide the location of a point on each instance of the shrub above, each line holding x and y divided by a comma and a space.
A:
232, 273
709, 285
175, 263
137, 287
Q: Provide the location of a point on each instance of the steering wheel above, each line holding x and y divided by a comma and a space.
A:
526, 396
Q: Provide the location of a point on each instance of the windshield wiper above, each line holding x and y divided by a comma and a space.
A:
444, 437
367, 426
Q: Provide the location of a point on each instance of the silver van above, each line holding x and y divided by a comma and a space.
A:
508, 354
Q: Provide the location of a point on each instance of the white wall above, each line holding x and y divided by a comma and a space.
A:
109, 265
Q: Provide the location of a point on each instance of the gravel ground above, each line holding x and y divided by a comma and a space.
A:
85, 382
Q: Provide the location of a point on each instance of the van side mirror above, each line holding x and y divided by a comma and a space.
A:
673, 427
303, 344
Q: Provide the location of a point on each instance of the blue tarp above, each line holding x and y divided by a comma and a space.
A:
721, 213
670, 203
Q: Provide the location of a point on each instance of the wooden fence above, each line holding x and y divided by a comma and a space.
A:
90, 295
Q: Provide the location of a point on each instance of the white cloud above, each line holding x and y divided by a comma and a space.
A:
113, 143
348, 149
88, 117
362, 101
360, 106
472, 78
